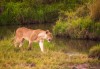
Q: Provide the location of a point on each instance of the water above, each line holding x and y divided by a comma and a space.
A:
69, 45
82, 46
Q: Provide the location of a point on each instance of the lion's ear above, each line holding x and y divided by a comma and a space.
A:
47, 31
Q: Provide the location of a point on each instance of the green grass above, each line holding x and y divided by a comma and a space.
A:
83, 28
60, 28
53, 58
34, 11
24, 12
94, 52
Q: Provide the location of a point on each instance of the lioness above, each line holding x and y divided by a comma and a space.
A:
31, 36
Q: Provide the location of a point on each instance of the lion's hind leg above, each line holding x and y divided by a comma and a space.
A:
18, 42
21, 42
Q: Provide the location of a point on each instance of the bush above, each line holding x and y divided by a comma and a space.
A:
60, 28
76, 27
11, 13
27, 12
33, 11
94, 52
95, 10
79, 28
82, 11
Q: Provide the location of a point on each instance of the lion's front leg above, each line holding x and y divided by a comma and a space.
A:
30, 45
41, 45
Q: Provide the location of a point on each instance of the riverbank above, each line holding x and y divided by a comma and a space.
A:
54, 57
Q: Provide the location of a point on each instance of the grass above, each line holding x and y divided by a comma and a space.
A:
81, 23
34, 11
60, 28
83, 28
24, 12
94, 52
95, 10
18, 58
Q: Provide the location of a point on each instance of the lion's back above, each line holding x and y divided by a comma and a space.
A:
28, 34
35, 34
20, 32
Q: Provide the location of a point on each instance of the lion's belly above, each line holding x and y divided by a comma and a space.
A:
26, 38
27, 35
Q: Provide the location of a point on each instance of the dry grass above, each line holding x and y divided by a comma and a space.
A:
95, 10
15, 58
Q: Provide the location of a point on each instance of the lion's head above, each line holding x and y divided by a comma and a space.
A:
49, 36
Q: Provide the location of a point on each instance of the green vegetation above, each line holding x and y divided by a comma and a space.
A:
60, 28
95, 52
78, 28
22, 12
73, 18
34, 11
53, 58
82, 23
95, 10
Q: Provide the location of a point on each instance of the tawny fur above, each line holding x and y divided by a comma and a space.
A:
31, 36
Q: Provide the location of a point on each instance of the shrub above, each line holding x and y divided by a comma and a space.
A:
27, 12
33, 11
82, 11
60, 28
95, 10
10, 13
97, 28
75, 27
78, 28
94, 52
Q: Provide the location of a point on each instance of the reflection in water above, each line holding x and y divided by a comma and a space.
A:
68, 45
75, 45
